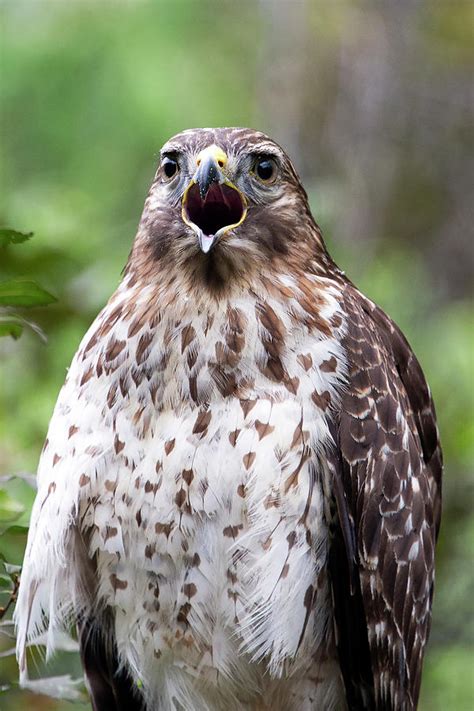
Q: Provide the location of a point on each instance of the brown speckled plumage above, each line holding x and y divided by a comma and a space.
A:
239, 495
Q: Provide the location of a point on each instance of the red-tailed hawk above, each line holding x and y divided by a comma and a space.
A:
239, 495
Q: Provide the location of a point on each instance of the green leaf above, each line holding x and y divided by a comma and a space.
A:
13, 237
24, 293
10, 509
11, 328
5, 582
13, 542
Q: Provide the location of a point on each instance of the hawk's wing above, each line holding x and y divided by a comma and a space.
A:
388, 485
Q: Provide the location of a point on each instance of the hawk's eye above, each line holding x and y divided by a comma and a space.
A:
266, 169
169, 167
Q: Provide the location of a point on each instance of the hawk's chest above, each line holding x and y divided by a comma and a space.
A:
220, 536
212, 514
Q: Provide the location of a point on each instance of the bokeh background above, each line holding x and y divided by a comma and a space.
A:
372, 102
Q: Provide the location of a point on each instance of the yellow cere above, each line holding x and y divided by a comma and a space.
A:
214, 152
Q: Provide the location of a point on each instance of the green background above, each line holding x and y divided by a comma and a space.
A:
371, 100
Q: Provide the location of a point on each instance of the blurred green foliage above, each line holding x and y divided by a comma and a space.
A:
370, 102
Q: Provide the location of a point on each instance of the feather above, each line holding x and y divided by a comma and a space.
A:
391, 472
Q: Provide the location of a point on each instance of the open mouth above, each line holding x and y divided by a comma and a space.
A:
222, 206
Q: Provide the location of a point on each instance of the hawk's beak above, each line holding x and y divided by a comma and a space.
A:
210, 162
212, 205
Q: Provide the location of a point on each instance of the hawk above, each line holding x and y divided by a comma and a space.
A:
239, 495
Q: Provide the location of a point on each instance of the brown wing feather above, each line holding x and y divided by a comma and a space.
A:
110, 686
390, 467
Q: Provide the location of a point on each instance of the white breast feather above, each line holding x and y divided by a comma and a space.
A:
244, 495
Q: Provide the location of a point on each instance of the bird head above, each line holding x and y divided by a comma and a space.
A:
224, 203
